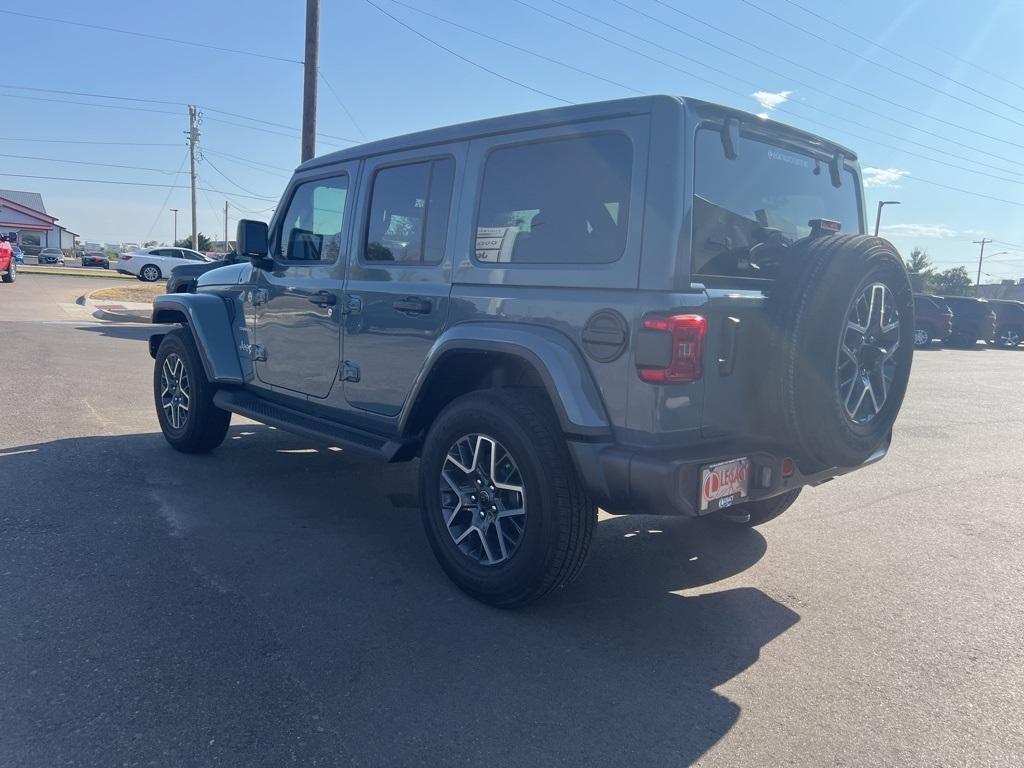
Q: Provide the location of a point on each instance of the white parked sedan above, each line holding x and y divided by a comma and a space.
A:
152, 264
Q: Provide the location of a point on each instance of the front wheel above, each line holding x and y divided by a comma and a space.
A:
183, 395
12, 273
503, 508
150, 273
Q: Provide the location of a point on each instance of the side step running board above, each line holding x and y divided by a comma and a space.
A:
291, 420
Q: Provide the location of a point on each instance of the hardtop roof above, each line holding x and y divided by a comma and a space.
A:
596, 110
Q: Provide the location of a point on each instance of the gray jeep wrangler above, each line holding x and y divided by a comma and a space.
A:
653, 305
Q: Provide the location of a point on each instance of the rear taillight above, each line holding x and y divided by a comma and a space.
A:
685, 361
126, 257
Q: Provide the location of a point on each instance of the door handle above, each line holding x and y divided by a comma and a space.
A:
414, 305
324, 299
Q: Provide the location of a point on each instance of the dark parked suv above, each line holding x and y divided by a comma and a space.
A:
933, 319
1009, 322
651, 305
973, 320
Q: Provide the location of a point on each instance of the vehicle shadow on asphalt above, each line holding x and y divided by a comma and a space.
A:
618, 669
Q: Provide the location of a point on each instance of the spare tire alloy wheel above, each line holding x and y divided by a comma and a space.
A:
866, 365
175, 391
483, 501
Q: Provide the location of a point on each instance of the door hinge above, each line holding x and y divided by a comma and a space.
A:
258, 297
348, 371
353, 304
258, 353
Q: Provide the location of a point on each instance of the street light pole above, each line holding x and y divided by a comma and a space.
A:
175, 212
878, 216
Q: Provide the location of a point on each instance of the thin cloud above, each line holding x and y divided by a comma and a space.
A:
929, 231
769, 100
882, 177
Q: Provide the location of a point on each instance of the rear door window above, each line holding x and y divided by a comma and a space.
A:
749, 210
562, 201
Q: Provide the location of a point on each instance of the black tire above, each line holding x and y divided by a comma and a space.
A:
150, 273
1008, 336
205, 425
820, 286
919, 341
11, 274
559, 520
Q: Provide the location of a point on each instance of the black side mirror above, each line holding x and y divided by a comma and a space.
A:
252, 238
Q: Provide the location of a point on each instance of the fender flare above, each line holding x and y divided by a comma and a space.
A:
557, 360
207, 318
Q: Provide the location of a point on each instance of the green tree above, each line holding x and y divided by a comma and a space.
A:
205, 244
953, 282
922, 274
149, 243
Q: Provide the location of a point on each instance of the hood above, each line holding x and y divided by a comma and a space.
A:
227, 274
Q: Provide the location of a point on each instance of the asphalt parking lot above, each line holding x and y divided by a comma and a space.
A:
276, 603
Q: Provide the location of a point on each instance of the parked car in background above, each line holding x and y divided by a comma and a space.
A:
183, 277
8, 266
152, 264
973, 320
95, 259
19, 255
1009, 322
50, 256
933, 319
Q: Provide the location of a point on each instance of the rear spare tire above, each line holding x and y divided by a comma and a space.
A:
845, 313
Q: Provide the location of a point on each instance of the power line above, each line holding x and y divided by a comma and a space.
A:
467, 60
250, 164
170, 191
78, 141
844, 84
887, 68
149, 36
786, 110
515, 47
86, 162
209, 162
337, 98
276, 133
89, 104
122, 183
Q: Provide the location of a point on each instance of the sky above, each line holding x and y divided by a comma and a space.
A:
929, 93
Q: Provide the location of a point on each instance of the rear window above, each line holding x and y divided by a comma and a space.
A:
556, 202
748, 211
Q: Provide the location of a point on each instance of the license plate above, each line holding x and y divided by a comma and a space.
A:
723, 484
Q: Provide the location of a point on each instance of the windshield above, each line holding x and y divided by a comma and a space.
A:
748, 210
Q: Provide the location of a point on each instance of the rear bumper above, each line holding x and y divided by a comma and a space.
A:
667, 482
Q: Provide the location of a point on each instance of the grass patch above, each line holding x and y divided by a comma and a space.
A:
144, 293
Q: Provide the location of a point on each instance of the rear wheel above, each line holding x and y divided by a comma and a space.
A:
503, 508
12, 272
183, 395
922, 336
1009, 336
149, 273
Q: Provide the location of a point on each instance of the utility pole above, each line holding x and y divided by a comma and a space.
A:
309, 79
193, 139
981, 256
175, 212
227, 247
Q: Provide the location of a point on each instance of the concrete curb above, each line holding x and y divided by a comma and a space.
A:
103, 274
124, 311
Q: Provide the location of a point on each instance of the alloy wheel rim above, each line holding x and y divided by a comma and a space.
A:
1009, 338
175, 391
150, 273
483, 501
921, 337
866, 364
